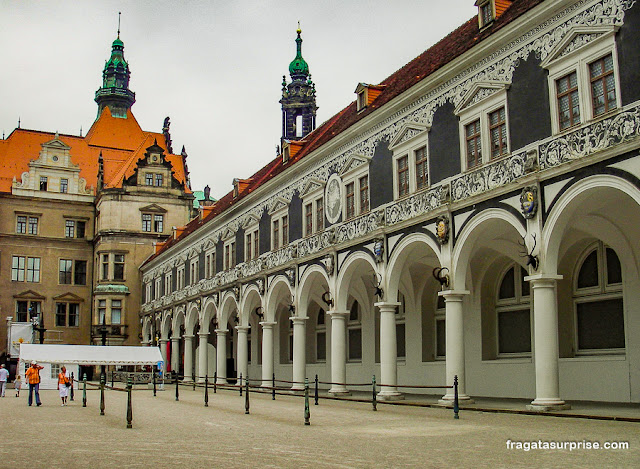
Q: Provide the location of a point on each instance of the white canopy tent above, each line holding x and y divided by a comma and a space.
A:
71, 356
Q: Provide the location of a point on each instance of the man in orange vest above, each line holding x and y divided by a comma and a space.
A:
33, 377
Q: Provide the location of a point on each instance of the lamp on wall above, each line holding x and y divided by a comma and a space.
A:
326, 297
292, 307
260, 312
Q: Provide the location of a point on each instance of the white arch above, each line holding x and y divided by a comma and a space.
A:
465, 244
274, 294
191, 318
247, 303
227, 304
178, 319
166, 324
146, 328
398, 259
305, 287
568, 203
347, 270
208, 312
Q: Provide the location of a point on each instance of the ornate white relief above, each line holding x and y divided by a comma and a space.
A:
579, 41
360, 226
279, 257
416, 205
252, 267
333, 198
315, 243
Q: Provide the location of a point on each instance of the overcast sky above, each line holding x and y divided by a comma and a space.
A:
214, 67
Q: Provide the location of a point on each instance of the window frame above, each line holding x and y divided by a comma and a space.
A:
518, 302
251, 242
408, 149
23, 271
352, 174
315, 198
230, 252
280, 220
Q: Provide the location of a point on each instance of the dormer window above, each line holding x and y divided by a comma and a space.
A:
362, 99
367, 94
485, 13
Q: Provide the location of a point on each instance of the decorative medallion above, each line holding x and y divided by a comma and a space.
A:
260, 284
378, 250
329, 263
291, 276
236, 292
442, 229
216, 298
529, 201
332, 196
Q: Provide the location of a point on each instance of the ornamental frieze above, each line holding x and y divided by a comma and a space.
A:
416, 205
360, 226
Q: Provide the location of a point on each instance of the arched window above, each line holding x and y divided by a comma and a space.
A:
290, 341
513, 313
321, 337
354, 333
400, 328
597, 297
441, 331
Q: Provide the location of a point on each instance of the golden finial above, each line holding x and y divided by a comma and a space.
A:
299, 30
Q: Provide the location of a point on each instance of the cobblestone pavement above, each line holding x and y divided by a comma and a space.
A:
342, 434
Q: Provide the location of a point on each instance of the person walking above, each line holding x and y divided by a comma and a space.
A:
33, 377
63, 385
17, 384
4, 375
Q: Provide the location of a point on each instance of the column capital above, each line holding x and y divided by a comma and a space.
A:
453, 295
267, 324
222, 331
338, 314
188, 336
175, 339
242, 328
542, 280
387, 306
298, 319
203, 334
163, 340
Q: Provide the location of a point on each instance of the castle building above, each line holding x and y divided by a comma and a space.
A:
472, 216
79, 215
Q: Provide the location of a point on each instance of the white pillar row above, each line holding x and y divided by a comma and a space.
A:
243, 352
188, 358
388, 352
221, 355
299, 353
338, 351
267, 352
546, 349
175, 352
163, 352
454, 324
202, 356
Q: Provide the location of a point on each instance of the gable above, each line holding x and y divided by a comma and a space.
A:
408, 132
478, 93
354, 162
153, 208
575, 39
68, 297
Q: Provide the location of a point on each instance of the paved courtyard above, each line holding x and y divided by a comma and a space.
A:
342, 434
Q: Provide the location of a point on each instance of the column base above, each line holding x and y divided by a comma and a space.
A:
339, 391
390, 396
463, 400
187, 380
548, 405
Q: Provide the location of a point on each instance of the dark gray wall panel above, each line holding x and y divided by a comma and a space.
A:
444, 144
381, 175
628, 42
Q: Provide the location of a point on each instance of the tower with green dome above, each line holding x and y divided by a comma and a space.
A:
115, 93
298, 98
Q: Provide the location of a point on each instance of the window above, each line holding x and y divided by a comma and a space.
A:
474, 147
401, 351
403, 176
486, 14
441, 328
61, 314
80, 273
363, 183
158, 223
33, 225
285, 230
313, 209
513, 313
69, 228
80, 229
422, 175
146, 222
180, 278
67, 314
308, 219
74, 314
105, 267
64, 185
55, 370
168, 279
229, 254
582, 81
276, 234
21, 225
252, 244
116, 311
102, 311
157, 180
603, 86
64, 271
568, 101
209, 264
362, 100
320, 214
279, 229
118, 267
29, 265
27, 310
43, 183
194, 271
498, 133
321, 337
599, 312
354, 333
157, 288
148, 179
351, 201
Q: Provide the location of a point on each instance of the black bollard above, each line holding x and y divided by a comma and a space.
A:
455, 398
246, 396
316, 393
194, 381
72, 379
112, 373
154, 382
215, 381
206, 391
240, 381
177, 384
273, 387
129, 409
102, 383
307, 413
84, 390
374, 401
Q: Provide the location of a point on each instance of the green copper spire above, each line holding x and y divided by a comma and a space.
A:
298, 68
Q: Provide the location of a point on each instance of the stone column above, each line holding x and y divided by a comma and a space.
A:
243, 352
221, 355
454, 323
338, 351
388, 352
188, 358
163, 352
202, 356
545, 350
267, 352
175, 351
299, 353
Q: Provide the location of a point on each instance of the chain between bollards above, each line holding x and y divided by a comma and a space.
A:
84, 390
240, 382
456, 407
206, 391
374, 401
246, 395
316, 391
129, 408
102, 383
273, 387
177, 384
72, 380
307, 413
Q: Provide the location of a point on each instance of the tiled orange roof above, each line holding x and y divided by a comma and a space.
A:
440, 54
121, 141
